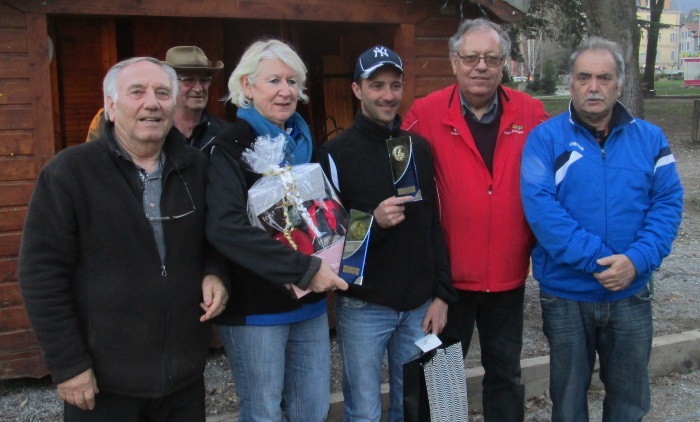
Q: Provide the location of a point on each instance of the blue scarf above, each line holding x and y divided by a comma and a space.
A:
299, 145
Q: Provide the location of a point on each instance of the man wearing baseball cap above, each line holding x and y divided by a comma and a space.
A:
194, 76
406, 284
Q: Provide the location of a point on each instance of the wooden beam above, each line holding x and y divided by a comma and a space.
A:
14, 91
365, 11
12, 219
12, 194
405, 45
16, 117
11, 18
10, 295
24, 364
13, 66
433, 67
13, 40
17, 168
39, 79
430, 85
16, 341
9, 244
16, 142
8, 270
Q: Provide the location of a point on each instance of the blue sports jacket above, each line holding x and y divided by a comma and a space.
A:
584, 202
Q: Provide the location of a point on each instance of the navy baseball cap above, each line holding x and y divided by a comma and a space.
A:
373, 59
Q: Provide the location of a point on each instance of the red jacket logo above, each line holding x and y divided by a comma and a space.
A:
513, 129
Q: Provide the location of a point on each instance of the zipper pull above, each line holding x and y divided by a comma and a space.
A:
603, 150
163, 271
490, 189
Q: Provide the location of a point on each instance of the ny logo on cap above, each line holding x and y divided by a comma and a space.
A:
380, 51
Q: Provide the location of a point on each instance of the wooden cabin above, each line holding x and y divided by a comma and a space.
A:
55, 53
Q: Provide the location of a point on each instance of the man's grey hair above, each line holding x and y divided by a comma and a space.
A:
598, 43
109, 85
480, 24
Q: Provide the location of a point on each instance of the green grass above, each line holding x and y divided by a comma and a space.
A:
673, 115
662, 87
675, 87
555, 106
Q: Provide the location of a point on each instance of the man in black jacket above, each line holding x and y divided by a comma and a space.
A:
406, 285
114, 266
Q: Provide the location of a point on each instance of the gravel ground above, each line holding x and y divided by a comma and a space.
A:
676, 309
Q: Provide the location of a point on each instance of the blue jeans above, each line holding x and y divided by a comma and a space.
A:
621, 333
290, 362
499, 319
365, 331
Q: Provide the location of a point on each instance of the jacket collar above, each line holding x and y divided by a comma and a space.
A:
176, 156
373, 129
620, 116
455, 96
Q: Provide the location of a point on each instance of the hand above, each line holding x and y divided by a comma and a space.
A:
435, 317
620, 273
325, 279
390, 211
80, 390
214, 295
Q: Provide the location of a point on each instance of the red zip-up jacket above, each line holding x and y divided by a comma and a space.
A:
487, 236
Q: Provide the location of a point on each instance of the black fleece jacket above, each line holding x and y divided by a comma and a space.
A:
407, 264
91, 275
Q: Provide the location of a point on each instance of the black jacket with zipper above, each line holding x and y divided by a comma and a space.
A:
407, 264
259, 265
92, 280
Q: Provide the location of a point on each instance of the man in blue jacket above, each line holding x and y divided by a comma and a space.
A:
602, 195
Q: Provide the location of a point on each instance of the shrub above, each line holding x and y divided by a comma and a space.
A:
548, 84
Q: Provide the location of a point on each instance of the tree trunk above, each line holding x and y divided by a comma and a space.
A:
616, 20
656, 6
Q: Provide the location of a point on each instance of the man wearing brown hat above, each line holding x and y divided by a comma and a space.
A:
194, 76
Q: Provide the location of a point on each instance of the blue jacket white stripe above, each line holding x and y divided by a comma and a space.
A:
584, 203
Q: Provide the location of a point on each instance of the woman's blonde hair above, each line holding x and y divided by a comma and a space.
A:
250, 62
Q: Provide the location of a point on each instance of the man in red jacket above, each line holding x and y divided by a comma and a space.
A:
477, 129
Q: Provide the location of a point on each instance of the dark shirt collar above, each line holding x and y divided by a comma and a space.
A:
488, 116
173, 148
199, 129
372, 128
600, 135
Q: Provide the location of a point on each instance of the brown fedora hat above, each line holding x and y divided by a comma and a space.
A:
190, 58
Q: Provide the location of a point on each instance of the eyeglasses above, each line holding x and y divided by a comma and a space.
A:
175, 217
190, 81
473, 60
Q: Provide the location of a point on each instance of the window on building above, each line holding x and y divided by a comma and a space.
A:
673, 56
673, 37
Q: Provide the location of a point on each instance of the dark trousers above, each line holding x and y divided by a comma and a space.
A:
184, 405
499, 320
